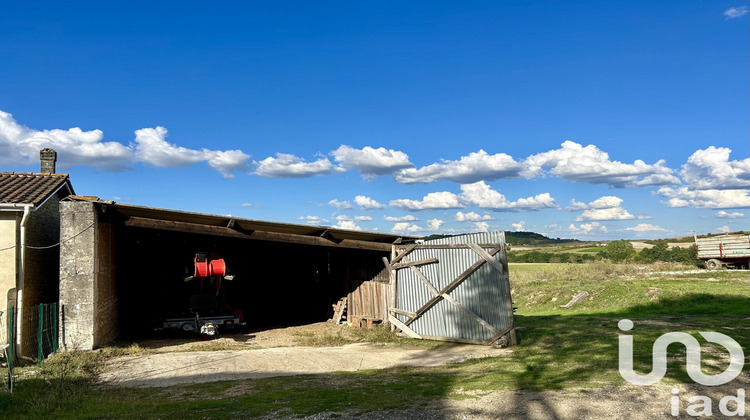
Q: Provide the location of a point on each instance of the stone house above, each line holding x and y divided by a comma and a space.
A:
29, 243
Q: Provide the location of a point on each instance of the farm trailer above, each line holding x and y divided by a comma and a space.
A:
724, 250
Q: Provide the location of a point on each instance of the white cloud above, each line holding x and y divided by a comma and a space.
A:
228, 161
313, 220
471, 217
645, 227
372, 162
605, 202
247, 205
432, 201
482, 195
615, 213
367, 203
576, 206
705, 199
475, 167
655, 179
481, 226
152, 148
341, 205
520, 226
587, 228
576, 163
348, 225
20, 145
711, 169
291, 166
736, 12
407, 218
734, 215
343, 217
607, 207
553, 228
723, 229
405, 227
434, 224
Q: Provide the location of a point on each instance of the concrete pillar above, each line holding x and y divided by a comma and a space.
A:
78, 274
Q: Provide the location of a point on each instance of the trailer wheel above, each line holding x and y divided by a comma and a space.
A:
713, 264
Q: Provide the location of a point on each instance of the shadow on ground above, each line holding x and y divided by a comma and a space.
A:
565, 368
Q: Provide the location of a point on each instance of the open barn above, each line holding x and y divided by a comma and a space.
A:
124, 269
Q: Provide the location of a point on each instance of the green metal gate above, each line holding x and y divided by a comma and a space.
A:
46, 330
8, 352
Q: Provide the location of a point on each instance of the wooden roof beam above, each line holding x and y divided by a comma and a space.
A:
194, 228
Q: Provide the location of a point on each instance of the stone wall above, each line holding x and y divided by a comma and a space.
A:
42, 266
105, 327
41, 270
77, 275
88, 298
88, 293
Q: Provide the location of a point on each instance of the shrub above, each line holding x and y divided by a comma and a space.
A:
619, 251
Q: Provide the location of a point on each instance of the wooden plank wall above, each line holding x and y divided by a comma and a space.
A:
371, 297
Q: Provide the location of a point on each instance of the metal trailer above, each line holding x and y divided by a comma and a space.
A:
209, 313
724, 250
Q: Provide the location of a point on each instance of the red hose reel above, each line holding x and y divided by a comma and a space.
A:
208, 268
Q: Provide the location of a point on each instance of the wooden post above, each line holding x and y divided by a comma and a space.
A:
392, 286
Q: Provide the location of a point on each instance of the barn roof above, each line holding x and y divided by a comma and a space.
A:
176, 220
31, 188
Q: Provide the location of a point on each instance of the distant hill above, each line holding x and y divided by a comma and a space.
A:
531, 238
520, 238
691, 239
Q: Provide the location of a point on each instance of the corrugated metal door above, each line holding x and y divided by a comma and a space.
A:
454, 289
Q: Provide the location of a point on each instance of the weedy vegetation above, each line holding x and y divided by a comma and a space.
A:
561, 348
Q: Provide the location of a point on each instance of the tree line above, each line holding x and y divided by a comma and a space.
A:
615, 251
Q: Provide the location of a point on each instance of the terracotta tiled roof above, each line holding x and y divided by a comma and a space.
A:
30, 188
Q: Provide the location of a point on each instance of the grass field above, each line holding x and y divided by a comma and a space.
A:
561, 349
595, 249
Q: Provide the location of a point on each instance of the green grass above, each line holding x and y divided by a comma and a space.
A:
308, 338
380, 333
595, 249
613, 288
561, 348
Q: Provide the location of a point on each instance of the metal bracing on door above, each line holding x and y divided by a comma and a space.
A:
454, 289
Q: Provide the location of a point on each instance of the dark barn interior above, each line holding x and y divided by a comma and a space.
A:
275, 283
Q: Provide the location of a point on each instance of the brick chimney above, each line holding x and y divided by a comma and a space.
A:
48, 157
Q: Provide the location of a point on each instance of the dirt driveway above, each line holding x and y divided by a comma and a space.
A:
277, 352
167, 369
269, 353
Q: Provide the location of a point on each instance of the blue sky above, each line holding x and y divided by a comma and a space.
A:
588, 120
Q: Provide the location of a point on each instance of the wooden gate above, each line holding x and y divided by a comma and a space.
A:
453, 290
